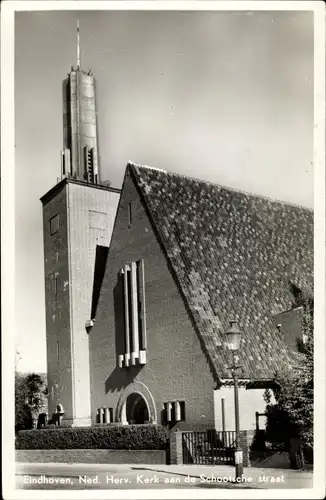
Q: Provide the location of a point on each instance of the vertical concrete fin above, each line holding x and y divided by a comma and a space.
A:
126, 312
134, 311
142, 304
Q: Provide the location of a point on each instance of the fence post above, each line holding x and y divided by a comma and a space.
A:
246, 438
223, 420
176, 456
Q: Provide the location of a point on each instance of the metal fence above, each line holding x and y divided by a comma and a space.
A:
208, 447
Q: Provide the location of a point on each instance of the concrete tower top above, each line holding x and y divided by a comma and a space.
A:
80, 149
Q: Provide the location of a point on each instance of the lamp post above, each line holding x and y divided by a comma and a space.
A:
233, 336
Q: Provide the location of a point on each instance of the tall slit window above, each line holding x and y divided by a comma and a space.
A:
129, 215
89, 164
135, 343
55, 285
54, 224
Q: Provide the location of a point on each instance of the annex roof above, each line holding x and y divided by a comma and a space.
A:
234, 256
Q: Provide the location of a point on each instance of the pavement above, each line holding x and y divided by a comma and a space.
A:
144, 476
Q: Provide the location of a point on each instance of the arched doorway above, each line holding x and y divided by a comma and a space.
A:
136, 409
136, 405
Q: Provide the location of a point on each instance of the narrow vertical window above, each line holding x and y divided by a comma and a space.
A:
89, 164
182, 410
54, 224
129, 215
55, 285
63, 169
168, 409
108, 415
66, 163
101, 412
58, 350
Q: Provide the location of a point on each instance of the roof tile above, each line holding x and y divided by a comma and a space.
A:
233, 255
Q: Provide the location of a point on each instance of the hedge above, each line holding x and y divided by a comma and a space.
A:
129, 437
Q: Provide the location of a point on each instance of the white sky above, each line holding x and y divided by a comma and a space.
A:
226, 97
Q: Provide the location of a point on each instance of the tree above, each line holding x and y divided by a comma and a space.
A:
292, 415
30, 399
22, 415
36, 395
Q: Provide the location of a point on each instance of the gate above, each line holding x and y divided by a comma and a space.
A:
208, 447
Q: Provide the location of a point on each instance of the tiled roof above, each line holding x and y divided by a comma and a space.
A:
234, 256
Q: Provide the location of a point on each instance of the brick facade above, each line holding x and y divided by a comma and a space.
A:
185, 295
175, 358
176, 453
89, 456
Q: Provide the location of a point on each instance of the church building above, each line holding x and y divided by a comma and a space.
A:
141, 286
186, 258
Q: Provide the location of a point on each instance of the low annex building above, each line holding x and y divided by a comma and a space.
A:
186, 257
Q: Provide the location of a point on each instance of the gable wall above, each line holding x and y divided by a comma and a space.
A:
176, 367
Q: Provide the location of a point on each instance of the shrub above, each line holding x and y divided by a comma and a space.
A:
279, 428
30, 399
293, 414
129, 437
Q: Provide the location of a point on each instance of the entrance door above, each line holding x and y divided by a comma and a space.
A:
136, 409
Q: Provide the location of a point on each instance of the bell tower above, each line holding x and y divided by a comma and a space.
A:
80, 152
78, 216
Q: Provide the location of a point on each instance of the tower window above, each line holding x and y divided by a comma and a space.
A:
89, 164
66, 162
58, 350
54, 224
56, 285
129, 215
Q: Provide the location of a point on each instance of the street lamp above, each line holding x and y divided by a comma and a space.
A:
233, 337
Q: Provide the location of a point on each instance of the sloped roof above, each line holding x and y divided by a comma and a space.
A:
234, 256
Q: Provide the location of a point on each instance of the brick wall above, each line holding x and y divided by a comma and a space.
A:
176, 366
93, 456
176, 453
